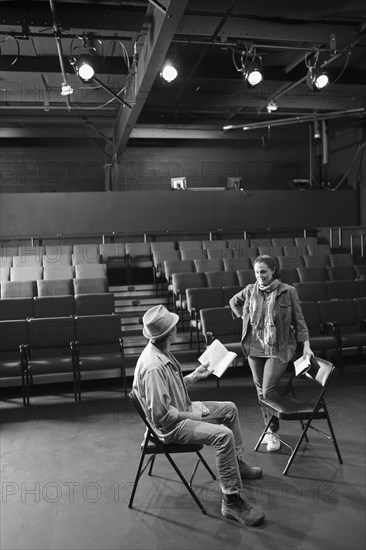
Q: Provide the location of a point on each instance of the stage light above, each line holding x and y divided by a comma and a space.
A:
84, 67
169, 71
252, 74
317, 79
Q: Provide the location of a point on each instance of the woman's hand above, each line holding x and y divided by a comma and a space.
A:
307, 350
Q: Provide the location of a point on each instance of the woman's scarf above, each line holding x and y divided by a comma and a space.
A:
262, 313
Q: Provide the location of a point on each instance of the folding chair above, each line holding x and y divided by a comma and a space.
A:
287, 408
197, 299
153, 446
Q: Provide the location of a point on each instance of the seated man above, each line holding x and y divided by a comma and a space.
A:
162, 391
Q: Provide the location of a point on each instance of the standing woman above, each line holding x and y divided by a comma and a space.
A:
273, 325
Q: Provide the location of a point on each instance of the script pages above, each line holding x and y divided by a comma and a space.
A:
219, 358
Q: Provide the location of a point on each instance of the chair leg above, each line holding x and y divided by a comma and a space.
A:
296, 448
151, 462
334, 440
137, 478
185, 483
206, 465
263, 434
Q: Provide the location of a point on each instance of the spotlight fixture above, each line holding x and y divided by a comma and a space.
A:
84, 67
272, 106
316, 78
169, 70
250, 66
66, 89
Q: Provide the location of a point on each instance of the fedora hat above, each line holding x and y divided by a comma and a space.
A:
158, 321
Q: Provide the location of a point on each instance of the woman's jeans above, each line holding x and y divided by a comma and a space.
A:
220, 428
267, 373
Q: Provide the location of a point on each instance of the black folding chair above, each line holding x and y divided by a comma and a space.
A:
153, 446
288, 408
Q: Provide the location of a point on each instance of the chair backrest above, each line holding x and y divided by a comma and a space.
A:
90, 271
85, 253
58, 271
182, 281
214, 245
293, 251
61, 260
301, 241
221, 278
320, 371
203, 266
150, 434
229, 291
245, 277
27, 261
319, 249
6, 262
283, 241
312, 291
98, 333
35, 252
220, 253
235, 264
238, 244
87, 286
57, 252
265, 241
316, 261
177, 266
51, 333
162, 245
55, 287
342, 273
290, 276
13, 333
343, 289
193, 254
201, 298
112, 251
94, 304
4, 273
290, 262
360, 305
28, 273
137, 250
273, 250
18, 289
54, 306
160, 255
16, 308
341, 259
311, 313
220, 323
308, 274
189, 245
341, 312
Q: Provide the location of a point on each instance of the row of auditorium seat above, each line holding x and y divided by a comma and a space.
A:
67, 345
57, 306
52, 287
334, 326
59, 271
209, 297
89, 251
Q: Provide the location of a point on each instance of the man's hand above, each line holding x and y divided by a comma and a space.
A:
202, 371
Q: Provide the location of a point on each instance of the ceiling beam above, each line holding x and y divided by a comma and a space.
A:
251, 29
155, 44
51, 64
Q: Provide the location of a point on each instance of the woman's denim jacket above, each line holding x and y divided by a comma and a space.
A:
289, 320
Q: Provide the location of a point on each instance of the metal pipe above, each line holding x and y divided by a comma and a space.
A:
57, 35
310, 155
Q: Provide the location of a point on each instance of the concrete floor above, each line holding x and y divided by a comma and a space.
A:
67, 470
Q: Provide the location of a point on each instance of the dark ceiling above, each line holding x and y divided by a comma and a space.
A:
131, 40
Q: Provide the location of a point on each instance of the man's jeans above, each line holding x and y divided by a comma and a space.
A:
220, 428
